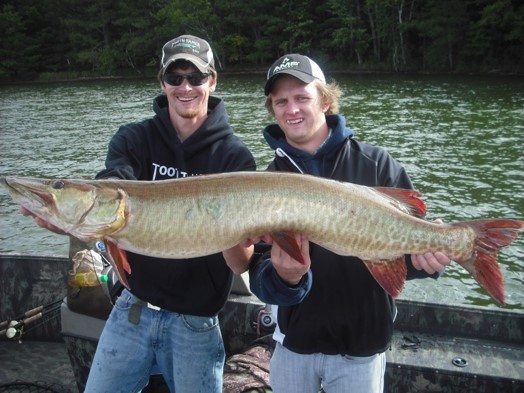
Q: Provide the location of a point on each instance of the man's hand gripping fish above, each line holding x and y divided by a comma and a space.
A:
203, 215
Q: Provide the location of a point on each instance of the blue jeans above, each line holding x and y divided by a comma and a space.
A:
187, 350
292, 372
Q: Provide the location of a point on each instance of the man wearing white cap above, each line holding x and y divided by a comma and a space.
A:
334, 321
167, 321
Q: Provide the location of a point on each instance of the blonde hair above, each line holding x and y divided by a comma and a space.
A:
329, 94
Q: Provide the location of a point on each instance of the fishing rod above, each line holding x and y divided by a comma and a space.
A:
14, 328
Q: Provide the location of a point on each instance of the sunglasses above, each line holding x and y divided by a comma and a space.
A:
194, 79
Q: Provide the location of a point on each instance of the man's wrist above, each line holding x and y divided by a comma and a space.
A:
294, 283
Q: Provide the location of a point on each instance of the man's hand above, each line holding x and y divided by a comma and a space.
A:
238, 257
430, 262
289, 269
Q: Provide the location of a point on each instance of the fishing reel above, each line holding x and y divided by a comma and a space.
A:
15, 330
265, 322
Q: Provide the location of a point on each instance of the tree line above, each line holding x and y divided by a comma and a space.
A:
42, 39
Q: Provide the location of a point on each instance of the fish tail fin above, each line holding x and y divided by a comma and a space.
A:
390, 274
287, 242
492, 235
118, 259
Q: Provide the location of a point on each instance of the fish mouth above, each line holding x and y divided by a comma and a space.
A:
28, 196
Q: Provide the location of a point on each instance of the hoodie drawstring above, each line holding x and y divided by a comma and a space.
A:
281, 153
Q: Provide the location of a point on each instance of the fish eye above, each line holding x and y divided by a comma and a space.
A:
58, 185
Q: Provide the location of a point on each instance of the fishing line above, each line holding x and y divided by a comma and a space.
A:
28, 314
46, 320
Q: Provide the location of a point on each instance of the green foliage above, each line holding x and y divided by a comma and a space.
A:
21, 50
112, 37
236, 46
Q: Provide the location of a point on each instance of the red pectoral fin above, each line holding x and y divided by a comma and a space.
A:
390, 274
287, 242
118, 259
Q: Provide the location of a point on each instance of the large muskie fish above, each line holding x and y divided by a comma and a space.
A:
203, 215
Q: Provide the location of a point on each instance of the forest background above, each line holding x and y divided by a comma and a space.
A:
63, 39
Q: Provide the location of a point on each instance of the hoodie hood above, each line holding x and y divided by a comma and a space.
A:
215, 127
315, 164
151, 150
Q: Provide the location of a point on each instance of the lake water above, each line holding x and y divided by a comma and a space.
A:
460, 138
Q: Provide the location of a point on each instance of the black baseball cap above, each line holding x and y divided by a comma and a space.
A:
299, 66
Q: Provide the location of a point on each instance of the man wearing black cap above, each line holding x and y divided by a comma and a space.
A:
167, 322
334, 321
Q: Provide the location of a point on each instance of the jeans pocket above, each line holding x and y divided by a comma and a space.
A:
200, 324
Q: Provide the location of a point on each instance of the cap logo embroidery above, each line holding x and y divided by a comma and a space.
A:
286, 64
194, 46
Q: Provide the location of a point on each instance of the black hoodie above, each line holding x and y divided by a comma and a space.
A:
151, 150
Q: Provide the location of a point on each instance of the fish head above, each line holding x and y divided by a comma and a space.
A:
85, 210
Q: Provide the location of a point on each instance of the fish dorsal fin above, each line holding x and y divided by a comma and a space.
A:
407, 201
390, 274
